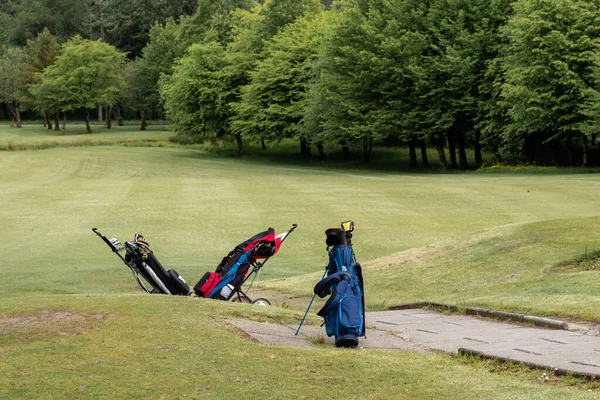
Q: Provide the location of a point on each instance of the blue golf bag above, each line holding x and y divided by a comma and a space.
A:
344, 311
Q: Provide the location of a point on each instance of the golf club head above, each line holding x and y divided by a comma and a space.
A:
348, 226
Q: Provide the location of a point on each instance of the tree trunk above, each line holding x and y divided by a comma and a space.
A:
47, 122
345, 151
64, 126
367, 148
570, 149
144, 122
88, 128
462, 152
498, 157
304, 147
238, 140
18, 114
119, 116
100, 113
424, 157
585, 151
262, 143
531, 147
13, 113
109, 117
452, 148
412, 153
321, 151
56, 122
441, 153
477, 150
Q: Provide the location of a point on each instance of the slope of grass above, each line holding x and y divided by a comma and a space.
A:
509, 268
123, 347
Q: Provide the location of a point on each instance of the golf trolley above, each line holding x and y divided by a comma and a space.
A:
225, 283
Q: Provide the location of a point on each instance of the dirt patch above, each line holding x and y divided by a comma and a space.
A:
56, 322
589, 262
578, 266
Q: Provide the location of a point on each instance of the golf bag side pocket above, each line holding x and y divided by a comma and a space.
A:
206, 284
178, 282
350, 314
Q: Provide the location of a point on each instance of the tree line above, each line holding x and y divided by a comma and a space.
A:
508, 77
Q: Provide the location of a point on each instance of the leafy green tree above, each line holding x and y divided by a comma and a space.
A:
165, 45
454, 64
251, 31
225, 69
169, 41
139, 91
23, 20
122, 23
41, 53
213, 20
126, 23
409, 71
491, 116
591, 109
272, 104
196, 97
13, 90
278, 13
86, 74
367, 74
548, 69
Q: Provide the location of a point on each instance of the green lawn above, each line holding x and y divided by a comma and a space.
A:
136, 346
471, 239
35, 136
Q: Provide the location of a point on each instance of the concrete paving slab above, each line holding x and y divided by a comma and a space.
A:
309, 336
375, 339
423, 330
560, 350
268, 333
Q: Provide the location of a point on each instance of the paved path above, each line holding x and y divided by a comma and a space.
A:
425, 330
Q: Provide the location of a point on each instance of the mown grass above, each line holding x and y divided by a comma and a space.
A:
159, 347
532, 268
469, 239
34, 136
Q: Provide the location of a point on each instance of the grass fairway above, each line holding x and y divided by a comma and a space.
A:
74, 325
35, 136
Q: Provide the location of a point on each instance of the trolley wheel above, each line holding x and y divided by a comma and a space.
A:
262, 302
240, 298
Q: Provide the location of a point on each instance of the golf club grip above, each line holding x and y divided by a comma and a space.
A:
294, 226
108, 243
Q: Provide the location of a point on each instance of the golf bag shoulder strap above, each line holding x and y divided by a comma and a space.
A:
323, 288
335, 298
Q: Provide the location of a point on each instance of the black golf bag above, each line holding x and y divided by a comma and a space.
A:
225, 283
146, 268
344, 311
